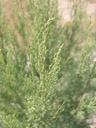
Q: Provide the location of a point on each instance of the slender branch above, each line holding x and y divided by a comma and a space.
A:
83, 92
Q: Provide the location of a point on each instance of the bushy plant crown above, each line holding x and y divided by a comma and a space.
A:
47, 69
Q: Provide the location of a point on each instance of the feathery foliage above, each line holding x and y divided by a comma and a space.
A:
47, 69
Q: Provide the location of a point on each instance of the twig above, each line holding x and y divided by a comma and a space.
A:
83, 92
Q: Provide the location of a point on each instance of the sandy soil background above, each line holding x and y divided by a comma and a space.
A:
63, 6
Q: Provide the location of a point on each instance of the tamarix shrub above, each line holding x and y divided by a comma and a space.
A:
47, 70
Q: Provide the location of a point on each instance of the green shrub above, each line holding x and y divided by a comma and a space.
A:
47, 70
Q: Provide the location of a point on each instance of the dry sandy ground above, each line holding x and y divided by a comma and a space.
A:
63, 6
91, 8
